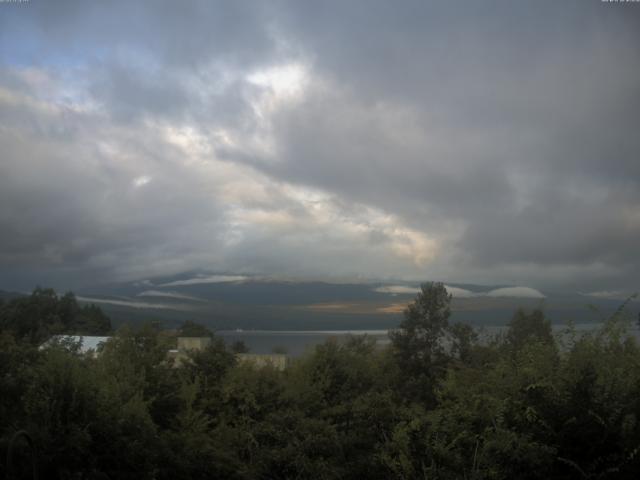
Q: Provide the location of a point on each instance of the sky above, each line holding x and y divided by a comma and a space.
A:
488, 142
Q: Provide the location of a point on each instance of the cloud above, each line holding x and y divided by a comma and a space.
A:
456, 292
133, 304
204, 280
141, 181
404, 290
612, 295
160, 293
516, 292
394, 308
461, 292
397, 289
329, 139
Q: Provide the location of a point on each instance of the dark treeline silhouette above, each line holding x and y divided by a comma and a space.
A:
435, 403
42, 314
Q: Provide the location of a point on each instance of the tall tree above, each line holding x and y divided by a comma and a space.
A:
418, 345
193, 329
527, 327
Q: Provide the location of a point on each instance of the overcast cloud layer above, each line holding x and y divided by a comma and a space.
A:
480, 142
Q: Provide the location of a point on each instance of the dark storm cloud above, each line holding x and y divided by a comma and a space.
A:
484, 141
527, 119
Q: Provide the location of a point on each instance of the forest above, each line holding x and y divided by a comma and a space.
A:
437, 402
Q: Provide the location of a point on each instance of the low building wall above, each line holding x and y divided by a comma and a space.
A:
274, 360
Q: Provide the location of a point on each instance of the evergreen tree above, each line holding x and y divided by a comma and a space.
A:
419, 343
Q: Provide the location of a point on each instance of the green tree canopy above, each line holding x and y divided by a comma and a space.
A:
44, 313
526, 327
418, 344
189, 328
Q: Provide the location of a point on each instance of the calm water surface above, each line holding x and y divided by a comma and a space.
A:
296, 343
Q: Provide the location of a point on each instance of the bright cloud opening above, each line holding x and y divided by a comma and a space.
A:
456, 292
516, 292
286, 80
205, 279
141, 181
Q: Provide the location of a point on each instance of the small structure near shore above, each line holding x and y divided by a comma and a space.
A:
186, 345
256, 360
278, 361
88, 344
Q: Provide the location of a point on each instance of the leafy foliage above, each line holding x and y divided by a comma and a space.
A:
190, 328
42, 314
435, 403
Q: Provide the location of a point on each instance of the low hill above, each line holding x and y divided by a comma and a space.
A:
226, 301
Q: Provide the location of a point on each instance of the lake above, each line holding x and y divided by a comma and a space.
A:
297, 342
